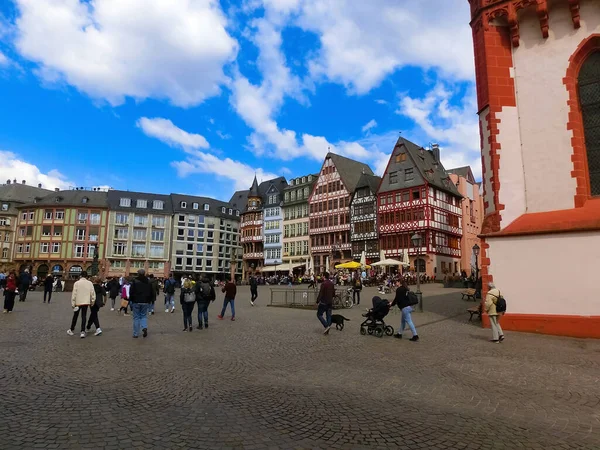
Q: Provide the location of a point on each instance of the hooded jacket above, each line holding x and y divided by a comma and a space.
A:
83, 293
490, 302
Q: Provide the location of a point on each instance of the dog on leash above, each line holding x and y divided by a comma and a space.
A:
338, 319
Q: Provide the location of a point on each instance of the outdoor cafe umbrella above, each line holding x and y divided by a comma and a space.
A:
405, 260
350, 265
363, 259
388, 262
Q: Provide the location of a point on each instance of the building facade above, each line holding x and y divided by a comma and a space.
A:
273, 226
472, 216
541, 159
62, 232
329, 211
364, 233
416, 195
139, 234
296, 240
205, 237
12, 196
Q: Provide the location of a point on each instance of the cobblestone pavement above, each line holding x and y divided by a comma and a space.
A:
272, 380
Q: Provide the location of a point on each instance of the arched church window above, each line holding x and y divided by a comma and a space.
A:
589, 96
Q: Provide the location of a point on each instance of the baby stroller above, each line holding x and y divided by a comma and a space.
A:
374, 323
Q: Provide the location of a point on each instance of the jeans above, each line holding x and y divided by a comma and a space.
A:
83, 309
407, 320
112, 302
254, 294
151, 308
9, 300
323, 308
202, 313
93, 318
227, 301
356, 293
496, 328
49, 294
187, 308
169, 301
140, 317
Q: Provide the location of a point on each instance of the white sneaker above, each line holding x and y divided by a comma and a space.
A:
98, 332
82, 335
173, 309
167, 310
70, 333
251, 302
112, 309
327, 330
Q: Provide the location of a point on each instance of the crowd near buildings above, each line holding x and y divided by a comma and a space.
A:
305, 225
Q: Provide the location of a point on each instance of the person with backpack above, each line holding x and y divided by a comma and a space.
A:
140, 298
253, 289
99, 303
169, 291
205, 294
187, 298
495, 306
356, 288
405, 299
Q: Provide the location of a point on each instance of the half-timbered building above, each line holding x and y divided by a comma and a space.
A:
363, 218
329, 210
416, 195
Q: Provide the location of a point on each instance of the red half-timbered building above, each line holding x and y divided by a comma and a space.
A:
329, 211
416, 195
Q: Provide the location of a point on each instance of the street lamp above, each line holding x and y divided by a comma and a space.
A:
416, 241
476, 253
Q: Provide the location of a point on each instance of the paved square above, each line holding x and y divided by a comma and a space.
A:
272, 380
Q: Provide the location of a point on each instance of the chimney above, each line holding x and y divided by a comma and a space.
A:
8, 181
40, 185
23, 182
435, 149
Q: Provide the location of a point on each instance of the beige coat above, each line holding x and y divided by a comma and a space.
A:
83, 293
490, 302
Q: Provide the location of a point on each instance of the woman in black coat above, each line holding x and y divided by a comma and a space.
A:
114, 289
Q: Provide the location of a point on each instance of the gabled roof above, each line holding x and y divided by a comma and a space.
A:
370, 181
239, 200
350, 170
214, 206
74, 198
254, 190
279, 183
431, 170
242, 196
464, 172
15, 195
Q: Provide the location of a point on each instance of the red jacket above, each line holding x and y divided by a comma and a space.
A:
11, 283
230, 290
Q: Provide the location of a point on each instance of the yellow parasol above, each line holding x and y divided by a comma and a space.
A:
350, 265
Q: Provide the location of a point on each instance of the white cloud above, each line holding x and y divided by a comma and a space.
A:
363, 42
112, 49
4, 61
381, 101
369, 125
165, 131
455, 128
13, 167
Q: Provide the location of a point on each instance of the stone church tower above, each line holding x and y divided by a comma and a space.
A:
538, 87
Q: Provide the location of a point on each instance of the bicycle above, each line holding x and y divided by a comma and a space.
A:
343, 299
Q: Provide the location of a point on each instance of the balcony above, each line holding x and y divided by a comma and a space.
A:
251, 239
255, 255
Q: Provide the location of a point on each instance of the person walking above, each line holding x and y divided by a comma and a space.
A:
125, 290
325, 302
169, 290
48, 285
155, 292
253, 290
10, 292
404, 303
140, 297
24, 283
82, 297
113, 287
230, 291
312, 283
491, 299
205, 294
99, 303
356, 288
187, 298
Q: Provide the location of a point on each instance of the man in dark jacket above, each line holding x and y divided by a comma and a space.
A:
140, 298
155, 291
230, 291
253, 289
114, 289
325, 302
356, 288
48, 285
24, 283
205, 293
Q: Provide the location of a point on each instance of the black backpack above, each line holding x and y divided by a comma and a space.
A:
500, 304
170, 287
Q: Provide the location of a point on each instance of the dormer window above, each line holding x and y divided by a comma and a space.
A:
400, 157
223, 209
4, 206
230, 211
195, 206
158, 204
183, 205
84, 200
58, 199
206, 207
237, 213
125, 202
141, 204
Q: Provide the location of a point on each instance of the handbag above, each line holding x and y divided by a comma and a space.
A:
124, 303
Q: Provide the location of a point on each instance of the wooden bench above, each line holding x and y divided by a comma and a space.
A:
474, 310
469, 293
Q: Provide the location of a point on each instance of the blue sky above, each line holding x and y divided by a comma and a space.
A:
195, 96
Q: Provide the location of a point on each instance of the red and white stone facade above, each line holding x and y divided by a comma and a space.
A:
541, 221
